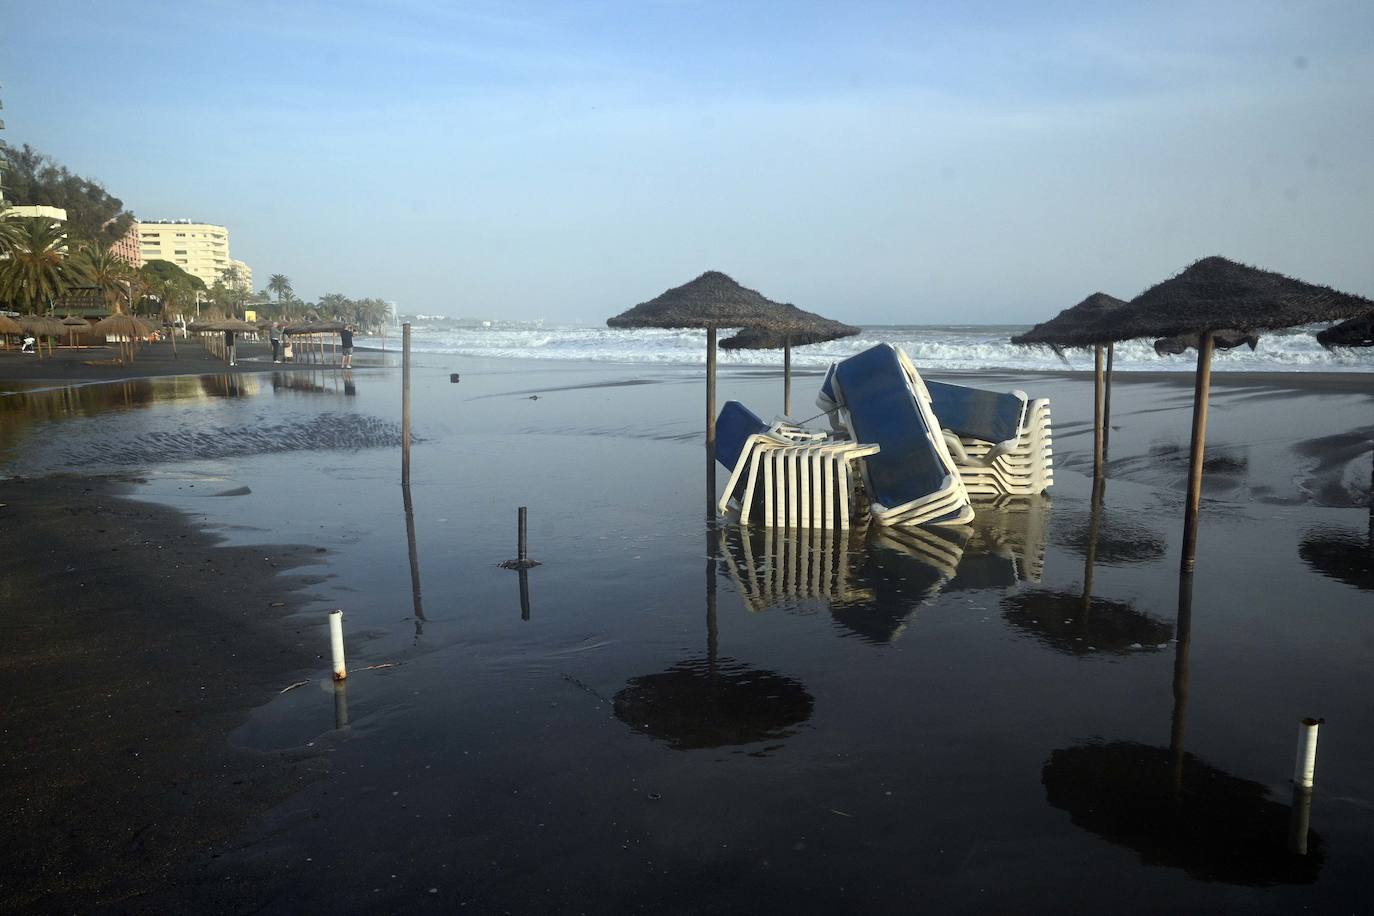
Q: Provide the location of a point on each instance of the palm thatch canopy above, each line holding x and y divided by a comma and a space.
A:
1076, 326
314, 327
72, 321
1353, 332
756, 339
41, 326
1227, 339
1215, 294
712, 300
120, 326
9, 326
221, 324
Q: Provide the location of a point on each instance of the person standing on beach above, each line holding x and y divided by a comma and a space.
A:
346, 338
229, 347
275, 336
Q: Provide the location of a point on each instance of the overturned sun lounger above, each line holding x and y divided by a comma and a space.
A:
912, 479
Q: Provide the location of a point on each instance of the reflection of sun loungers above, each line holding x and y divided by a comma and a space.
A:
775, 565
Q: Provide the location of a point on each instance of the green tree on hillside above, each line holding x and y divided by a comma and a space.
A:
93, 214
35, 273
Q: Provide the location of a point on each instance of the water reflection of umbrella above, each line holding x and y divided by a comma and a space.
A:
1080, 623
711, 301
1078, 326
1216, 827
1176, 810
823, 329
1208, 296
712, 701
1343, 554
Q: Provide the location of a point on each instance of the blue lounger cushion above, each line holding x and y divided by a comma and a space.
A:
883, 410
734, 425
991, 416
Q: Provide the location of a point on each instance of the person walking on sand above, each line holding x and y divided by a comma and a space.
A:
346, 338
229, 347
275, 336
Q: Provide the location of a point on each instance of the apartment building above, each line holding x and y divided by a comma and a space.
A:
126, 247
200, 249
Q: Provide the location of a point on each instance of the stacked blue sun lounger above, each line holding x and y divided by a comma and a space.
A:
912, 480
1001, 442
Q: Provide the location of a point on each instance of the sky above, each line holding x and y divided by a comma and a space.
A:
979, 162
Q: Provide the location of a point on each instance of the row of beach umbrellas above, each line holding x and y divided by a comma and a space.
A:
1214, 302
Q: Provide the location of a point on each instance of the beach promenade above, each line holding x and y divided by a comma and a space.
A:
681, 717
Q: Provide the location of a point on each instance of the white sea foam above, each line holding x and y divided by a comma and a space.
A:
951, 347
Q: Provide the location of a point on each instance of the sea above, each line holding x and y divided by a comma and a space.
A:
953, 347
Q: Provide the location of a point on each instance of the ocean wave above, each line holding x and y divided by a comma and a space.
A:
950, 347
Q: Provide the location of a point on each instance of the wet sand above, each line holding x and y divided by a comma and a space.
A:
126, 661
669, 717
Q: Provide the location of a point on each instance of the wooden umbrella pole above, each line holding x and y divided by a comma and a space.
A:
710, 419
405, 405
1200, 392
1098, 391
787, 376
1107, 405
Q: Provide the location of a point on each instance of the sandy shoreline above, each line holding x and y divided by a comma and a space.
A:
133, 644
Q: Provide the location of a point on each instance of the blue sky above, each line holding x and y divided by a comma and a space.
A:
883, 162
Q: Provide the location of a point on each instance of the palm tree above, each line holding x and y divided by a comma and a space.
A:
281, 285
113, 277
36, 271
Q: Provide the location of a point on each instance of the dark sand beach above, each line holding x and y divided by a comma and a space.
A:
676, 717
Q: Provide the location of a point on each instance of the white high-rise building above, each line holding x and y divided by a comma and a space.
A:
200, 249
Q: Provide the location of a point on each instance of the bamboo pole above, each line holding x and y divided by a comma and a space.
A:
710, 420
787, 376
1098, 391
1203, 385
1107, 405
405, 404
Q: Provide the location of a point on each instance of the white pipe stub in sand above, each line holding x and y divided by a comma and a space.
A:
1305, 767
336, 644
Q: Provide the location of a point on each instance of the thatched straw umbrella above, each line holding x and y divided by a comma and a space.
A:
237, 325
315, 329
1211, 295
1077, 326
40, 328
711, 301
71, 323
1221, 340
126, 327
1353, 332
9, 326
823, 329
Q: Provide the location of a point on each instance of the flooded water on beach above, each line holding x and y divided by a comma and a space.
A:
1034, 712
